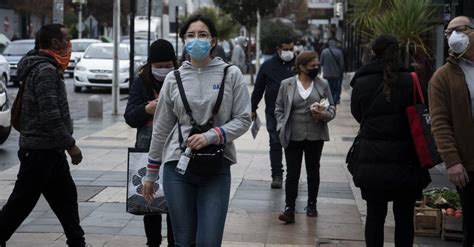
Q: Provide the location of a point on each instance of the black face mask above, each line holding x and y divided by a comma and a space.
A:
313, 73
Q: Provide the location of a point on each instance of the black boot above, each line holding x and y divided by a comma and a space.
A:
277, 182
311, 210
288, 216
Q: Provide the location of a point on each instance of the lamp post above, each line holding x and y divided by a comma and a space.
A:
115, 80
79, 25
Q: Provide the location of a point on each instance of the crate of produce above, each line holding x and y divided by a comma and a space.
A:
427, 220
451, 227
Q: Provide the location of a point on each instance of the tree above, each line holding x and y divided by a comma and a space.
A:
102, 11
224, 24
295, 10
408, 21
245, 11
40, 8
272, 31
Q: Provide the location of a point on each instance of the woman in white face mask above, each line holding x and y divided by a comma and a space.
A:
139, 113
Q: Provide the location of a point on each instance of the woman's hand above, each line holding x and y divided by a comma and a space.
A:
151, 107
319, 114
197, 141
149, 191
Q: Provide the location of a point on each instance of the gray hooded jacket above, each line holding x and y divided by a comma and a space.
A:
201, 86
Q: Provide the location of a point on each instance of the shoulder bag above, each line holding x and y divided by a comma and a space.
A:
208, 160
420, 127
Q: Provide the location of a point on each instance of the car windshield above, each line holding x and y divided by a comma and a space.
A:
80, 46
141, 47
102, 52
20, 49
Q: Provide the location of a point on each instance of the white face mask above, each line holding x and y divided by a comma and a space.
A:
458, 42
287, 55
160, 73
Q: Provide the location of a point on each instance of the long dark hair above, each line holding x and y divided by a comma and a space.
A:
387, 49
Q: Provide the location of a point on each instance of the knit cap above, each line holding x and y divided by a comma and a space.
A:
161, 51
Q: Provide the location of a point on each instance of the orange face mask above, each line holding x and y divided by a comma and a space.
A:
62, 56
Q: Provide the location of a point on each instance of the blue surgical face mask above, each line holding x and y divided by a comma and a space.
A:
198, 49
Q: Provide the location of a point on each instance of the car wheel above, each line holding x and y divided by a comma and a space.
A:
4, 133
77, 89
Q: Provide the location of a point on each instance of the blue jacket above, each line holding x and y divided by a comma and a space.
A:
269, 78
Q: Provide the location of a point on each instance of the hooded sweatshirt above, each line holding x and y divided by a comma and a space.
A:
45, 120
201, 86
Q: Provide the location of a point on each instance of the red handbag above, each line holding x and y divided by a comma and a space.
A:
420, 127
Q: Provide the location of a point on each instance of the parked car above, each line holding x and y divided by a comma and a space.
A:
78, 48
5, 125
14, 52
140, 49
96, 66
4, 70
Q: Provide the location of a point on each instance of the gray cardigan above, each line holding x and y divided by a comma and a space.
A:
284, 102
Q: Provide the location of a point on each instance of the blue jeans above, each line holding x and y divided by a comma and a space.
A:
276, 152
197, 205
336, 88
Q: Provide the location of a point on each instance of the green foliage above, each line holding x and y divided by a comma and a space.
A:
362, 12
245, 11
272, 31
406, 20
225, 26
442, 198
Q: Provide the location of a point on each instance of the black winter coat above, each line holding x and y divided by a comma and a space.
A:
387, 166
135, 114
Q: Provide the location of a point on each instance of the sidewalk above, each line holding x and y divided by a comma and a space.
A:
252, 219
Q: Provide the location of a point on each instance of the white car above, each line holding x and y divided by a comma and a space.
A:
5, 125
78, 48
96, 66
4, 70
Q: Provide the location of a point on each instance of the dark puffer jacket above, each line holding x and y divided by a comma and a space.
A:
45, 118
387, 165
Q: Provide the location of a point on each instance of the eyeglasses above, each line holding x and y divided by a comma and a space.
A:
459, 29
200, 35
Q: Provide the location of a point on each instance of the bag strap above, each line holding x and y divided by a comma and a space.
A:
180, 137
217, 105
183, 96
337, 61
416, 88
220, 96
215, 110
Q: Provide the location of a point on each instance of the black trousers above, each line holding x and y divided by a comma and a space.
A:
403, 210
294, 156
276, 153
43, 172
467, 203
152, 225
